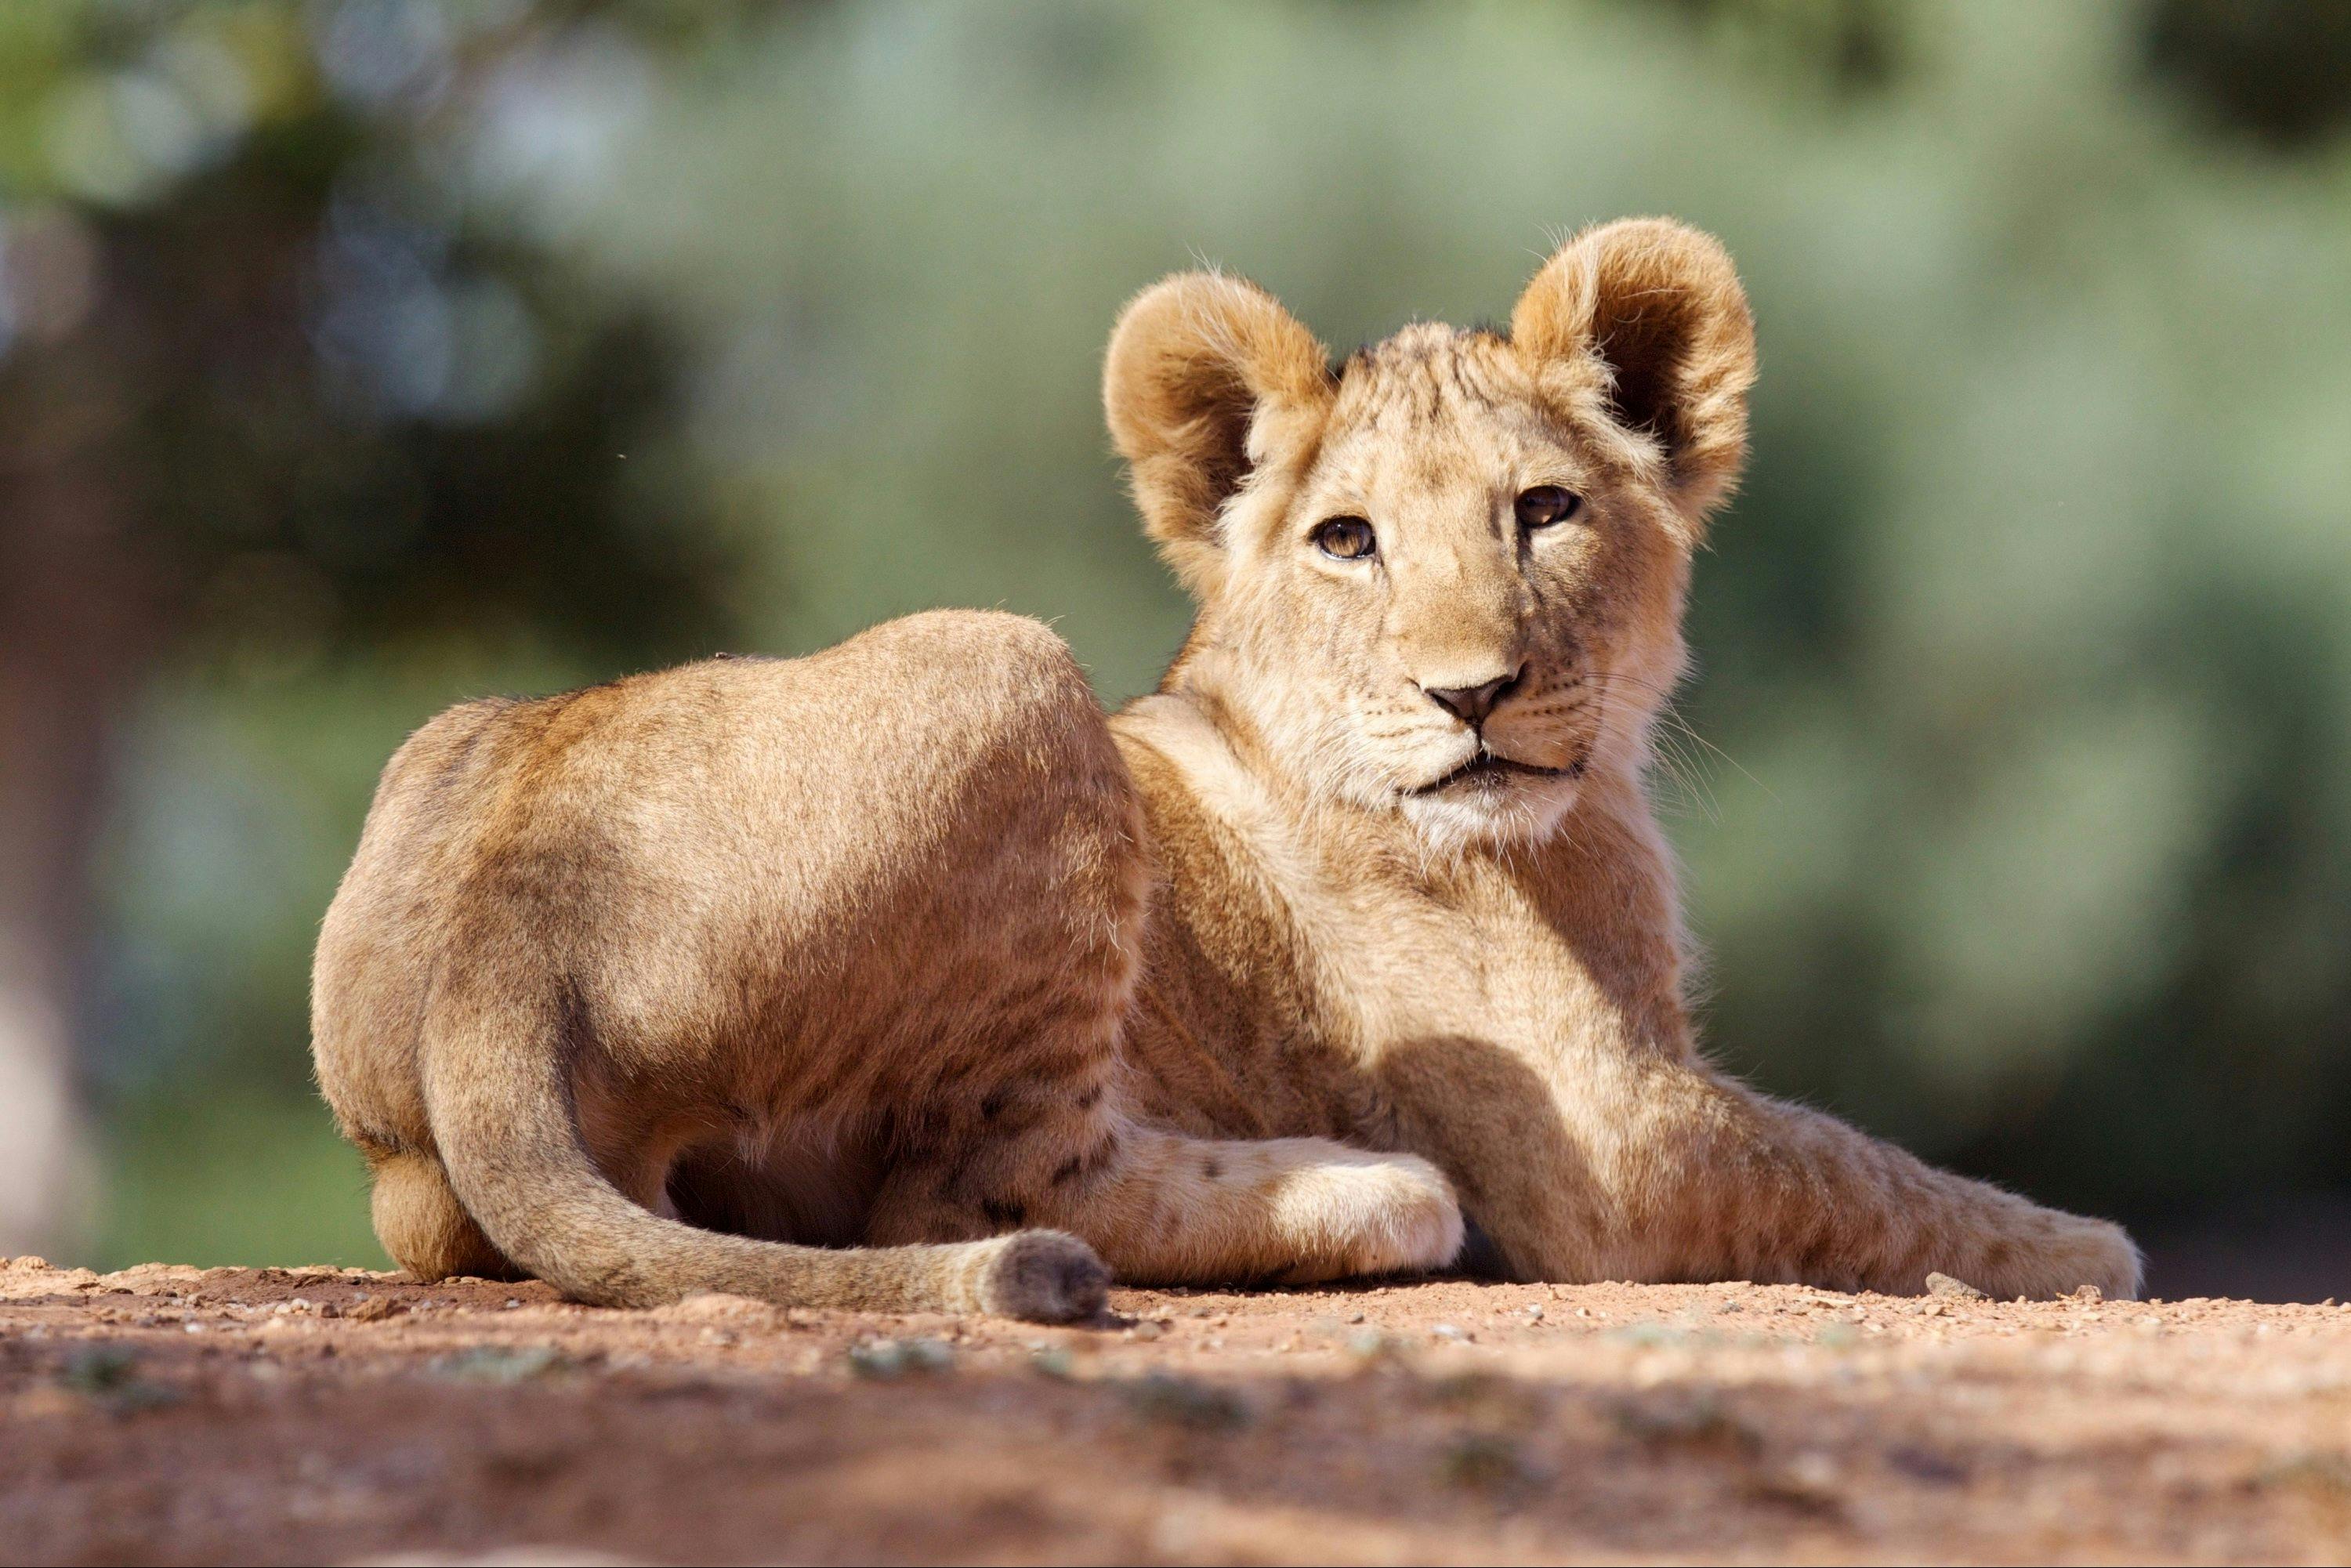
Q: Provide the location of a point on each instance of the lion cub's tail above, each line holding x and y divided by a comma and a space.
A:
501, 1112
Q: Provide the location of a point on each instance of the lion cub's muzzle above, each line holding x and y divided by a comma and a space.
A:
1502, 716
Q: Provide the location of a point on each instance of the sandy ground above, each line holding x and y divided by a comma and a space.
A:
173, 1415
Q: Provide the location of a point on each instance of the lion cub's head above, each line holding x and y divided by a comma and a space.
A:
1445, 577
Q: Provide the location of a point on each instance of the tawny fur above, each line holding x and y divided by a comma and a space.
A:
898, 977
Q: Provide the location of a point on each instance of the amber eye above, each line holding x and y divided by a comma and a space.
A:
1545, 504
1346, 538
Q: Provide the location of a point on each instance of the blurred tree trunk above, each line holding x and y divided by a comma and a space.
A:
74, 632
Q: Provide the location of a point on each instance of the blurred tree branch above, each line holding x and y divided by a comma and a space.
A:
2277, 71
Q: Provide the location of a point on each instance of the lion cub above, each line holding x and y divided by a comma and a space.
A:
899, 978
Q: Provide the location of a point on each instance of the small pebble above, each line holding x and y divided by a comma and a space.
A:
1944, 1285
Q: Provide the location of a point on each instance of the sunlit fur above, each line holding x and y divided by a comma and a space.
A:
901, 977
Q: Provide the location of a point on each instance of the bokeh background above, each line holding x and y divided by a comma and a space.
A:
355, 358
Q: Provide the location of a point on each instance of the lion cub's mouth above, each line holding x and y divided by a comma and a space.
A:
1488, 772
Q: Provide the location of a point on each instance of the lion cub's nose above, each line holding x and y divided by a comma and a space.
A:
1470, 705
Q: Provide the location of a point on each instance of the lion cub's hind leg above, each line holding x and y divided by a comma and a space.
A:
421, 1223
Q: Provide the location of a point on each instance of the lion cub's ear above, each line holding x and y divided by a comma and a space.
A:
1206, 378
1647, 318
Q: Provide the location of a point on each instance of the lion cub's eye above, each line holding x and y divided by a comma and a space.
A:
1545, 504
1346, 538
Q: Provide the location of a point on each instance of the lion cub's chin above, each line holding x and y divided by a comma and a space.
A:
1501, 812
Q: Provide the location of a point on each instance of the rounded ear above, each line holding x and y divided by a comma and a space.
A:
1206, 376
1649, 313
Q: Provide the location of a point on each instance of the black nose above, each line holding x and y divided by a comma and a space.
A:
1470, 705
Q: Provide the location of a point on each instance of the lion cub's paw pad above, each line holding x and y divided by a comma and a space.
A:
1046, 1277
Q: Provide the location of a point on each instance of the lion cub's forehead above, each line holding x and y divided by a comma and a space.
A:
1431, 404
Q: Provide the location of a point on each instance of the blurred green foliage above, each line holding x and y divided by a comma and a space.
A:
2021, 824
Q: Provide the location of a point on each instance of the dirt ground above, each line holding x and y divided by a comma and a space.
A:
167, 1415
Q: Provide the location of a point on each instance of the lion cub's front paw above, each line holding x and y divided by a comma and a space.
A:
2058, 1256
1385, 1214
